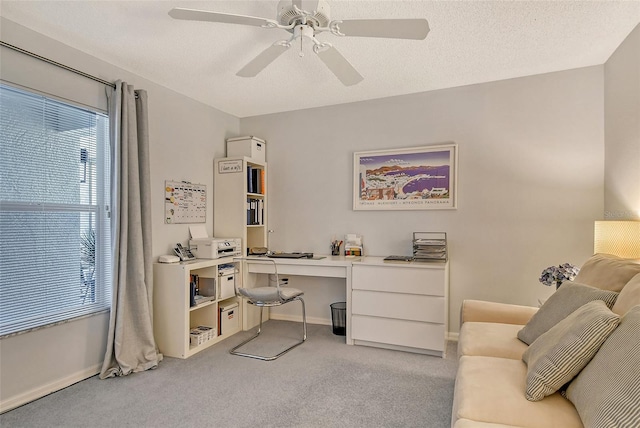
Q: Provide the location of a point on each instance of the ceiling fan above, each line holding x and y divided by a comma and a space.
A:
295, 17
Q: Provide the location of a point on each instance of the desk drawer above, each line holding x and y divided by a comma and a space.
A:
401, 306
398, 332
416, 280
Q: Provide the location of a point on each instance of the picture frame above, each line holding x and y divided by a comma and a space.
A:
415, 178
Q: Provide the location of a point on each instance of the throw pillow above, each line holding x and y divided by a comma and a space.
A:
569, 297
606, 393
558, 355
628, 297
607, 272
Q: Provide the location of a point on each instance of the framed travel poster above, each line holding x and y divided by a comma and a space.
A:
418, 178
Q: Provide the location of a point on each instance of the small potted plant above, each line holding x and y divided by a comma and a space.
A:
556, 275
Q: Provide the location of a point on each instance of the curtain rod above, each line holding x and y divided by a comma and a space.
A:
57, 64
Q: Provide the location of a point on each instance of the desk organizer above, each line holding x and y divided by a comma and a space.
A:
430, 247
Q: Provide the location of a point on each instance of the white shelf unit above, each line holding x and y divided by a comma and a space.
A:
230, 201
402, 306
230, 206
173, 317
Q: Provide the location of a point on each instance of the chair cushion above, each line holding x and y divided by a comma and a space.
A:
569, 297
628, 297
607, 272
558, 355
270, 294
490, 339
606, 393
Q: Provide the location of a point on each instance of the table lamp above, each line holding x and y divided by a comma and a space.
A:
620, 238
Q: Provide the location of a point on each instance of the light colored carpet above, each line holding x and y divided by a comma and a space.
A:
321, 383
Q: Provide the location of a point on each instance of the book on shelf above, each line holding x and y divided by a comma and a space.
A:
255, 211
255, 180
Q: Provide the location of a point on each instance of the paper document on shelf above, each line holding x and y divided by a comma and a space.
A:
353, 239
198, 231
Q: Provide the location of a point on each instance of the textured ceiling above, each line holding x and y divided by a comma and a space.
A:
469, 42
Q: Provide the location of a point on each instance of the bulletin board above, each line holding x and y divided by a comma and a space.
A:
184, 202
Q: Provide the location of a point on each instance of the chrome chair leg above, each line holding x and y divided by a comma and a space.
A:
304, 320
235, 351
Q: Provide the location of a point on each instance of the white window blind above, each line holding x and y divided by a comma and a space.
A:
55, 255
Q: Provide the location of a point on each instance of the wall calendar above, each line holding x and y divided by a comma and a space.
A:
184, 202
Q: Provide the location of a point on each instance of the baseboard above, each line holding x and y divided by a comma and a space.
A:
41, 391
297, 318
452, 336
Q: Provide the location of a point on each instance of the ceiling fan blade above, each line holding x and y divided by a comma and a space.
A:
343, 70
265, 58
387, 28
228, 18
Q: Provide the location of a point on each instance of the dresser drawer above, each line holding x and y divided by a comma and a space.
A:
398, 332
396, 305
399, 279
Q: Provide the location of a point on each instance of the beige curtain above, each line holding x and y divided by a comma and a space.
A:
131, 346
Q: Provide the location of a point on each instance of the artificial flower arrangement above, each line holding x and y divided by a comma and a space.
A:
558, 274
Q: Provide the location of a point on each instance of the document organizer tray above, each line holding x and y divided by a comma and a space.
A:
430, 247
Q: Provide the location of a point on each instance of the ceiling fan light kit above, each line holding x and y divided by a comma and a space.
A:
293, 16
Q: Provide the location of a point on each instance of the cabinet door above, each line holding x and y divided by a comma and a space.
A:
399, 279
401, 306
398, 332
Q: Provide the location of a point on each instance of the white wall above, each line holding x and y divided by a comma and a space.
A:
622, 131
530, 179
531, 184
185, 136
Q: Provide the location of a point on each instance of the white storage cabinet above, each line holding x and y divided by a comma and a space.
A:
402, 306
174, 318
240, 191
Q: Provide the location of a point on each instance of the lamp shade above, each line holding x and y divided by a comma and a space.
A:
620, 238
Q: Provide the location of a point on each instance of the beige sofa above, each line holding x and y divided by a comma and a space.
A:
492, 376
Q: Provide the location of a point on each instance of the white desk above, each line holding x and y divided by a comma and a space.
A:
401, 306
327, 267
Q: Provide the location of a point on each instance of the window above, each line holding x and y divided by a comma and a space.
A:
55, 252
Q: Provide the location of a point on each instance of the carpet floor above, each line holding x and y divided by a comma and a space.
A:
321, 383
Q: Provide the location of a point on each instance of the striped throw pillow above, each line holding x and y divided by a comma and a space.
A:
607, 391
569, 297
558, 355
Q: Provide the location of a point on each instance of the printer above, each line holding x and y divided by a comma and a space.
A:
204, 247
215, 248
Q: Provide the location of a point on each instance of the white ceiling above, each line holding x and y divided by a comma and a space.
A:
469, 42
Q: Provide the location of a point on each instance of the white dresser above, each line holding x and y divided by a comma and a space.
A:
399, 305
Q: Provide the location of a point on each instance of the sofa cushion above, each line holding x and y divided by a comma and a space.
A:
569, 297
504, 313
607, 391
491, 340
607, 272
628, 297
467, 423
491, 390
558, 355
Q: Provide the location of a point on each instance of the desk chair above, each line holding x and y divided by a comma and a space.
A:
270, 296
